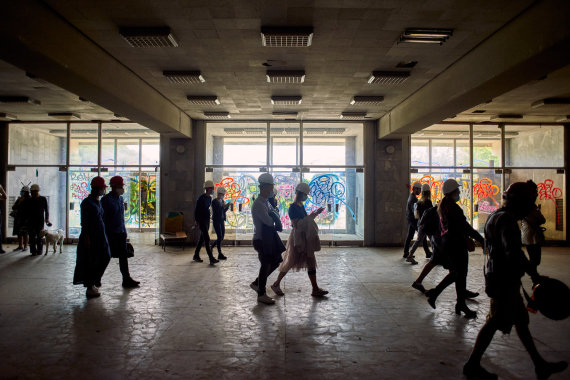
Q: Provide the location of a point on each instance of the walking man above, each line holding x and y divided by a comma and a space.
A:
38, 215
114, 219
412, 222
202, 221
219, 208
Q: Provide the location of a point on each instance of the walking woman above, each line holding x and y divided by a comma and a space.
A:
421, 206
20, 219
294, 257
455, 230
219, 209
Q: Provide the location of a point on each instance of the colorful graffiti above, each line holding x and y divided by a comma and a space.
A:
547, 192
145, 210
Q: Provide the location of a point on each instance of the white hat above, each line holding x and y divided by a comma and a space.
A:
417, 184
449, 186
425, 187
265, 178
303, 188
25, 189
208, 184
35, 187
221, 190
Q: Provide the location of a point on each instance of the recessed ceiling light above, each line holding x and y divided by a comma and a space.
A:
550, 102
203, 100
217, 115
426, 35
284, 115
18, 100
352, 115
286, 100
7, 116
507, 116
286, 36
184, 77
143, 37
63, 115
388, 77
366, 100
285, 76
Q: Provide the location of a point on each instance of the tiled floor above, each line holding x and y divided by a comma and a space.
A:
190, 320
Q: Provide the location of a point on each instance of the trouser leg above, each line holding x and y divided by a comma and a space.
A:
204, 239
199, 245
461, 277
264, 272
534, 254
410, 236
426, 246
219, 236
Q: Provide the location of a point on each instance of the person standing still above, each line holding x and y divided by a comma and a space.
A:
114, 219
3, 197
412, 222
219, 208
38, 215
20, 219
202, 221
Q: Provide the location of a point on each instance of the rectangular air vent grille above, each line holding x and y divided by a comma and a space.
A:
324, 131
244, 131
366, 100
352, 115
388, 77
286, 37
18, 100
148, 37
217, 115
184, 77
286, 100
203, 100
285, 76
284, 115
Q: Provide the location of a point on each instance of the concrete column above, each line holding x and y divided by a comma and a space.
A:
370, 133
350, 159
3, 170
566, 178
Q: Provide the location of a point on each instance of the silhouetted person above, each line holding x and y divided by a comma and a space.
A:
202, 221
509, 265
412, 221
532, 232
3, 197
21, 219
38, 214
219, 208
420, 207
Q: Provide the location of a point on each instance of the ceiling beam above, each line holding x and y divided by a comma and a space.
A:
532, 45
36, 39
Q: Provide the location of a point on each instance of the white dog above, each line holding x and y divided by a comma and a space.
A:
53, 237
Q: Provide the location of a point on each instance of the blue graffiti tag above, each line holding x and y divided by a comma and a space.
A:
328, 189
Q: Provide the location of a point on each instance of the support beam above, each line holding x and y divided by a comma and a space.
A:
36, 39
532, 45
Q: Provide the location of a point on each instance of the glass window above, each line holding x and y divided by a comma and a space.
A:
79, 189
486, 146
487, 196
332, 144
83, 149
285, 143
420, 152
32, 144
150, 152
128, 152
534, 146
236, 144
442, 152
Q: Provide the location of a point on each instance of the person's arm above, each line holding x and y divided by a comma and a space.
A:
261, 213
511, 241
46, 210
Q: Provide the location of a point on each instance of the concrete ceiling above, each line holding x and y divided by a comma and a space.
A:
222, 40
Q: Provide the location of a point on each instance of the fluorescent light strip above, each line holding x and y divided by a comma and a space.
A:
203, 100
184, 77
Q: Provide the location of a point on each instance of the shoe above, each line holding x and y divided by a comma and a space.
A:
265, 299
2, 251
319, 292
222, 257
469, 314
213, 260
130, 283
476, 372
92, 292
429, 255
254, 286
24, 249
418, 286
545, 370
411, 260
277, 290
198, 259
431, 297
405, 255
17, 249
470, 294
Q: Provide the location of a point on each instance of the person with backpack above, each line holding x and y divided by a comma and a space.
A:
419, 208
412, 221
507, 264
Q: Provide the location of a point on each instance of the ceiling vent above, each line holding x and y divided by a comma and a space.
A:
507, 116
184, 77
366, 100
324, 131
286, 100
217, 115
245, 131
203, 100
285, 76
64, 115
426, 35
286, 36
7, 116
142, 37
352, 115
551, 102
18, 100
285, 115
388, 77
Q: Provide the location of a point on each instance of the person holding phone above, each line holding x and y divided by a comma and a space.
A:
219, 209
294, 258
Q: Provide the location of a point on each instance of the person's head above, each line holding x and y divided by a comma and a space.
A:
426, 192
302, 192
98, 186
35, 190
265, 184
117, 185
519, 199
25, 191
416, 188
209, 187
221, 192
450, 189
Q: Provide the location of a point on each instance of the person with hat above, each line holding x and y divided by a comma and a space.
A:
93, 253
20, 219
509, 264
455, 230
419, 208
38, 215
412, 221
114, 218
266, 241
3, 196
219, 209
202, 221
294, 258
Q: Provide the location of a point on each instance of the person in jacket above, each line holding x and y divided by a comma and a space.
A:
93, 253
20, 219
266, 241
420, 207
509, 265
532, 232
202, 221
412, 221
294, 258
37, 214
455, 230
114, 219
219, 209
3, 197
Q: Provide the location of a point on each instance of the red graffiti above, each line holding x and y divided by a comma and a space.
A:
233, 191
79, 190
547, 191
485, 188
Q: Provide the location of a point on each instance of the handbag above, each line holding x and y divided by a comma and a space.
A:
470, 244
130, 250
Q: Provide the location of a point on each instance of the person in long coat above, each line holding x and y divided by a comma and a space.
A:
93, 253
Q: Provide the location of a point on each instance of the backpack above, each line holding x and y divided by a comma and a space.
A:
429, 221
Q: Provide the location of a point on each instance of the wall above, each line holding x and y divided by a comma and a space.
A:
543, 148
